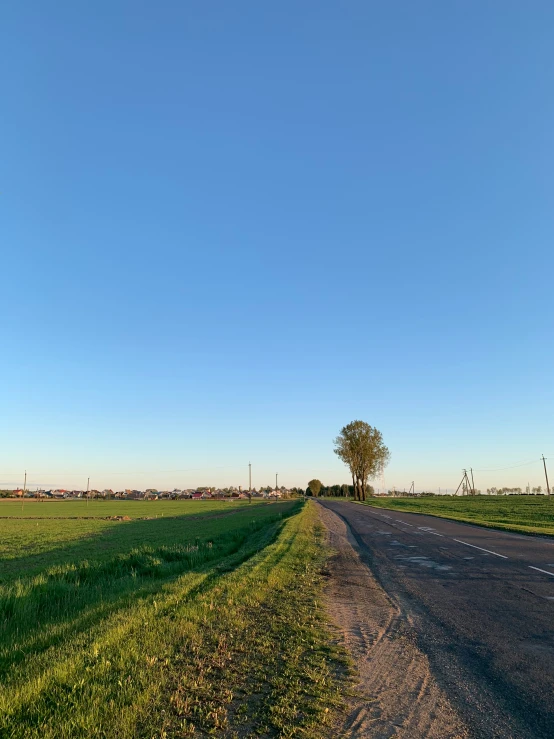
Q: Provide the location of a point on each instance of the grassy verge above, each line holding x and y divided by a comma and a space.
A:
226, 639
527, 515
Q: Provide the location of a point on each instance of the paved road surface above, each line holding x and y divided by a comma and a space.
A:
482, 604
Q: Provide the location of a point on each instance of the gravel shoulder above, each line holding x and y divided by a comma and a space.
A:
396, 694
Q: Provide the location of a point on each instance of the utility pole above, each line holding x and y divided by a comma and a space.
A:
472, 483
24, 491
546, 475
249, 476
464, 484
461, 485
88, 484
276, 476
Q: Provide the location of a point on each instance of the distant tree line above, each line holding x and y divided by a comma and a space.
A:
515, 491
317, 489
297, 491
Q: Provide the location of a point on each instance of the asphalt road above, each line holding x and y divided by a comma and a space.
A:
481, 603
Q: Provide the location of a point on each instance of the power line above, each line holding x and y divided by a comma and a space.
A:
510, 467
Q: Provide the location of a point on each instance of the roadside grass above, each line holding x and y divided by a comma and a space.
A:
528, 515
79, 582
220, 633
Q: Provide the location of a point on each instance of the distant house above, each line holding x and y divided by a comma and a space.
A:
197, 496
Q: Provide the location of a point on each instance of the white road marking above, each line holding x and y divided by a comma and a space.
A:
484, 550
404, 522
429, 530
546, 572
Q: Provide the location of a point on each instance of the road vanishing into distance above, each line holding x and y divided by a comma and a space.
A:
481, 603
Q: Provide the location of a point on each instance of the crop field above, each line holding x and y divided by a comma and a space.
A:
99, 508
527, 514
75, 521
190, 618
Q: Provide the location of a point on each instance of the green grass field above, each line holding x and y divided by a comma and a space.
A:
203, 620
53, 525
530, 515
32, 507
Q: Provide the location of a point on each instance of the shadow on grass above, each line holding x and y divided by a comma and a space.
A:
118, 536
39, 612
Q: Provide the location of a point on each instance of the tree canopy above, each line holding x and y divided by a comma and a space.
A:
361, 448
315, 487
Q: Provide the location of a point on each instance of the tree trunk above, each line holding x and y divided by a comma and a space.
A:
355, 487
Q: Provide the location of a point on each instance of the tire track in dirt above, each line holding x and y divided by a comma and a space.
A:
396, 694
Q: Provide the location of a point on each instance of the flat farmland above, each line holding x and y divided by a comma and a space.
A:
49, 527
188, 618
103, 508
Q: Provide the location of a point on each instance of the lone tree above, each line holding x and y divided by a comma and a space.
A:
315, 487
361, 448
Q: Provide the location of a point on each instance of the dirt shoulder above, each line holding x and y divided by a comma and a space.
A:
396, 694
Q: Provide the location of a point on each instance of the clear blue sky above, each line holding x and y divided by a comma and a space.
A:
229, 228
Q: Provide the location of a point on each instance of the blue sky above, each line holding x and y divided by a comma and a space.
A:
228, 229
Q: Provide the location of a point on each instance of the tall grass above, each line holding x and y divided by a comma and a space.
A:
221, 633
